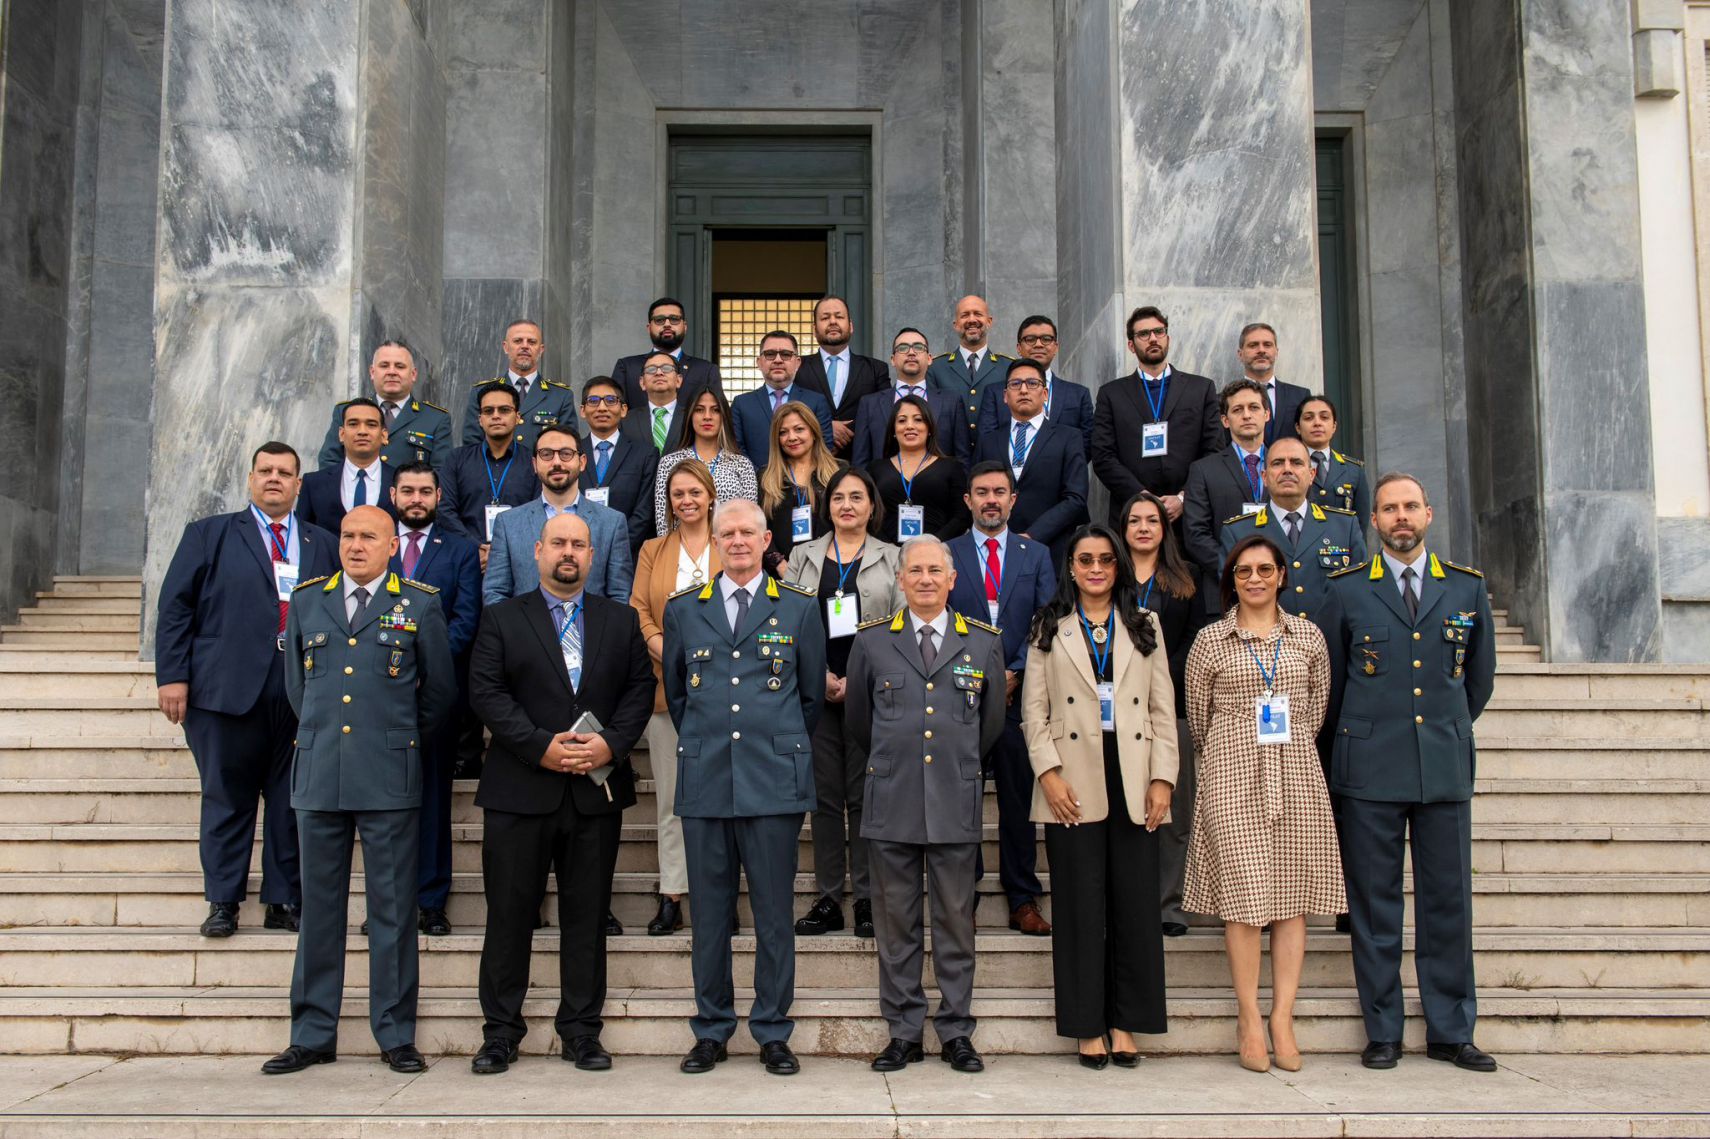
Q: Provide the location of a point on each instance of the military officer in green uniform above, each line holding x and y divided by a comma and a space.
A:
972, 367
370, 675
1413, 661
417, 431
1337, 479
542, 403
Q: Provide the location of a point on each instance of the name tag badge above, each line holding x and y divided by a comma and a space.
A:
842, 615
911, 521
801, 523
285, 577
1154, 440
493, 512
1251, 508
1271, 718
599, 495
1107, 705
572, 660
992, 611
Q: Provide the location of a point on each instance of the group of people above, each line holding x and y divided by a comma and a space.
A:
857, 593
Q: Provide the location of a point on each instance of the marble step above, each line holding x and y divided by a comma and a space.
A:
88, 602
61, 639
79, 617
1516, 681
830, 1022
98, 585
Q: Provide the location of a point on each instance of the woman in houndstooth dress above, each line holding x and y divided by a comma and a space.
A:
1263, 850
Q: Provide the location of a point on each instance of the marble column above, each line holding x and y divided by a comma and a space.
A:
1558, 409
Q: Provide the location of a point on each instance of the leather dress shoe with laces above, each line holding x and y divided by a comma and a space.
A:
614, 928
1026, 918
668, 920
702, 1057
404, 1058
1381, 1054
495, 1056
433, 922
586, 1053
863, 917
778, 1058
823, 916
1174, 929
1468, 1056
295, 1059
960, 1055
283, 916
898, 1054
222, 919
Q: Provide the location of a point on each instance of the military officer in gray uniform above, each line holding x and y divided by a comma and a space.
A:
541, 403
369, 674
1413, 661
1338, 479
925, 700
417, 431
744, 677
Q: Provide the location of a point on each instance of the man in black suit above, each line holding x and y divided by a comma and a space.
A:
838, 374
553, 797
667, 328
1067, 404
359, 479
1152, 424
1257, 351
910, 358
1226, 484
659, 417
620, 468
1044, 458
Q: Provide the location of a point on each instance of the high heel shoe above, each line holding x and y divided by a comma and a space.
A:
1097, 1061
1287, 1061
1123, 1059
1253, 1062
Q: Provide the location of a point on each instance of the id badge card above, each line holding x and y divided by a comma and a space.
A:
842, 615
1270, 715
992, 611
572, 660
1251, 508
599, 495
801, 523
285, 577
1107, 705
493, 512
911, 521
1154, 440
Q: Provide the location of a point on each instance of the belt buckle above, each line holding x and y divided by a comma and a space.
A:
279, 643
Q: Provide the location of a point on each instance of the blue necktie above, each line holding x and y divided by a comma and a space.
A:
570, 638
603, 458
831, 378
360, 498
1018, 449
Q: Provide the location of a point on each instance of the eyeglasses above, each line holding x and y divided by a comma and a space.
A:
1025, 385
499, 409
597, 400
660, 370
564, 453
777, 354
1151, 334
1034, 340
1265, 572
1087, 561
905, 349
667, 320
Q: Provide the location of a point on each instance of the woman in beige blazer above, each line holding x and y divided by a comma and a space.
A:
684, 557
1099, 713
855, 575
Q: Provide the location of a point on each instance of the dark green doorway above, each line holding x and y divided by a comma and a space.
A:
1336, 292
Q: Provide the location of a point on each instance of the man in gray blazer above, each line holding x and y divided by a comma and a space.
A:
558, 462
925, 698
368, 670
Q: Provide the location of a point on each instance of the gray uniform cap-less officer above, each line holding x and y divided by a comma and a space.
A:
1330, 541
1343, 484
547, 403
366, 692
420, 433
925, 731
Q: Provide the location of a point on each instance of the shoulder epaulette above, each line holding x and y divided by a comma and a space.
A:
1355, 568
311, 581
685, 589
948, 356
435, 406
421, 585
1335, 510
554, 384
875, 622
983, 625
797, 589
494, 380
1001, 356
1240, 518
1463, 569
1341, 458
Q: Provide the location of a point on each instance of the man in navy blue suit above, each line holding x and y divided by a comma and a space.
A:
910, 358
751, 412
219, 667
1045, 458
432, 555
618, 469
1067, 404
361, 478
1004, 578
1257, 351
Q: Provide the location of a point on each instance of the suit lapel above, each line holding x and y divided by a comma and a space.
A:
948, 650
1237, 473
1072, 645
1012, 547
430, 551
251, 537
1431, 592
1389, 591
533, 399
1172, 397
759, 608
539, 619
379, 601
1124, 651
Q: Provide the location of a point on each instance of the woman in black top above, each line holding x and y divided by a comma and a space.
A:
919, 485
792, 485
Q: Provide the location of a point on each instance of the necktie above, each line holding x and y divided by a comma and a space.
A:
358, 602
602, 459
360, 498
741, 596
1018, 448
391, 414
777, 399
278, 551
908, 389
994, 571
570, 636
1320, 465
522, 389
1407, 576
659, 429
1252, 462
831, 379
1291, 523
413, 553
973, 365
928, 653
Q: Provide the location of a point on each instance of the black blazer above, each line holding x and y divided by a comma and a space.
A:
629, 478
1051, 494
1071, 406
638, 425
873, 422
1217, 490
1289, 399
866, 376
319, 503
1196, 429
699, 374
520, 689
1181, 618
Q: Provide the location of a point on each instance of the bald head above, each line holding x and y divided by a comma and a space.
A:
367, 539
973, 320
564, 554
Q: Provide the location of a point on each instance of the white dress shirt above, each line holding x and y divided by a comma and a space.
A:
347, 484
350, 587
1033, 426
729, 586
1420, 566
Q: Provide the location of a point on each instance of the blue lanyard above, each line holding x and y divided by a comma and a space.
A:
1163, 393
1146, 598
1270, 678
1258, 488
1100, 653
487, 459
843, 570
1019, 458
908, 480
273, 539
801, 496
569, 623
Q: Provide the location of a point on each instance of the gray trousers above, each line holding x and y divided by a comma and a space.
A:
840, 782
898, 924
389, 873
1173, 836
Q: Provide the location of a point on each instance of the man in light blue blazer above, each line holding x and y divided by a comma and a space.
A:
511, 568
751, 412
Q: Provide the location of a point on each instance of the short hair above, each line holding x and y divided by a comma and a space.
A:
534, 324
925, 540
1235, 388
1316, 398
1023, 364
781, 334
415, 467
394, 342
275, 447
738, 504
916, 331
1399, 476
1030, 321
1227, 580
877, 518
1142, 313
502, 388
1280, 439
675, 363
603, 382
556, 429
992, 467
663, 302
1248, 330
828, 297
361, 401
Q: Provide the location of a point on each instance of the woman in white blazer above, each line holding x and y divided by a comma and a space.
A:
1099, 714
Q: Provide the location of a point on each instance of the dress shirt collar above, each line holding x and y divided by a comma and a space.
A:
940, 625
1242, 452
1278, 511
841, 356
574, 507
1035, 423
351, 468
1419, 565
351, 584
554, 604
513, 379
595, 438
404, 532
980, 538
754, 585
903, 387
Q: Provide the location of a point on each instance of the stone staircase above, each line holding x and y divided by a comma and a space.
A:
1591, 851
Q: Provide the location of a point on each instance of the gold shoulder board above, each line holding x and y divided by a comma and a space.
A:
796, 588
983, 625
1341, 458
1336, 510
421, 585
875, 622
435, 406
311, 581
1355, 568
1239, 518
1463, 569
494, 380
685, 589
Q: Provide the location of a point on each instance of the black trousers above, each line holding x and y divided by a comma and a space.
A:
1107, 951
516, 853
245, 761
840, 780
433, 886
1018, 852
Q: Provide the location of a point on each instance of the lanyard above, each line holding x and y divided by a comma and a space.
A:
1258, 488
1100, 649
1146, 598
1163, 393
1270, 678
908, 480
843, 570
273, 539
569, 622
801, 495
1020, 459
993, 584
486, 458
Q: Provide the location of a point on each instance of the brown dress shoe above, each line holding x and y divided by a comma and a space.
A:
1027, 919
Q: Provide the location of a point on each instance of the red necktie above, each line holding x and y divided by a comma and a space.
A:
278, 552
413, 554
994, 572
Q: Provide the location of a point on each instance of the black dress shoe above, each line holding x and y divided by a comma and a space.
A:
585, 1052
221, 921
1125, 1059
614, 928
824, 916
1174, 929
1381, 1054
863, 917
898, 1054
702, 1057
364, 927
1097, 1061
404, 1058
434, 923
495, 1056
778, 1058
1468, 1056
668, 920
960, 1055
295, 1059
284, 916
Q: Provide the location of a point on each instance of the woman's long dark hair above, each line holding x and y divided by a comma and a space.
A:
1124, 599
891, 446
1173, 574
726, 431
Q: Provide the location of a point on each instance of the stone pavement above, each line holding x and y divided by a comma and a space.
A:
225, 1096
